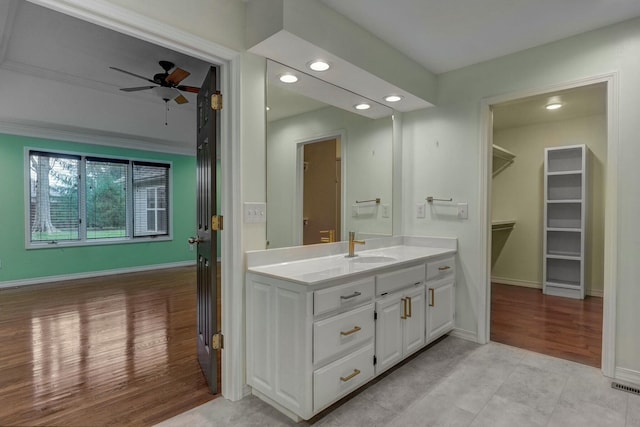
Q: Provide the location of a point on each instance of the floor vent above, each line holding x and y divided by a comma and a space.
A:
629, 389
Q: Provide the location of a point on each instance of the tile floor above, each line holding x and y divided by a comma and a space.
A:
457, 383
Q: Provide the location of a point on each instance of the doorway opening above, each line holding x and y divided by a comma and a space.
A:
322, 191
532, 252
184, 44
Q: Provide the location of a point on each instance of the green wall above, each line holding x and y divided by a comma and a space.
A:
18, 263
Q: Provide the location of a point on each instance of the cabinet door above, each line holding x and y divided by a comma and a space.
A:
389, 332
440, 309
414, 324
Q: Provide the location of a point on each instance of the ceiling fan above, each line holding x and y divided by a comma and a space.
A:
166, 85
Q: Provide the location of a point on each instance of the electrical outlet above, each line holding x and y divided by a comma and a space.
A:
463, 210
420, 210
385, 211
354, 210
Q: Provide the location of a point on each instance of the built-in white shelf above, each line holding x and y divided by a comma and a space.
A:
502, 225
565, 195
501, 159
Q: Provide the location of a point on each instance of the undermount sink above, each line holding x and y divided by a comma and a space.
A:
372, 259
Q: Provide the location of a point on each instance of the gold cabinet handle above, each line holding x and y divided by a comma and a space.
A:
350, 376
352, 331
330, 238
404, 308
433, 298
353, 295
444, 267
410, 307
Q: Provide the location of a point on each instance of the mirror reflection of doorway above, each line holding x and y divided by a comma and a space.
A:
321, 204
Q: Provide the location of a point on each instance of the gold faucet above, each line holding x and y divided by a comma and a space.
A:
352, 244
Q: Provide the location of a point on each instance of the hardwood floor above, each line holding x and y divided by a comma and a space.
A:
114, 350
562, 327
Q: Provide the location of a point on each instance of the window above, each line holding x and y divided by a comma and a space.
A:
75, 198
150, 182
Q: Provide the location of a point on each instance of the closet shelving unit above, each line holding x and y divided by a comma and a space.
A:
501, 159
565, 197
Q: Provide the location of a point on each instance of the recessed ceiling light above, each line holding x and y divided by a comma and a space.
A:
319, 65
362, 106
553, 106
288, 78
393, 98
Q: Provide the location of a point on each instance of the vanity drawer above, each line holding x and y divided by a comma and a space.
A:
340, 333
396, 280
343, 296
341, 377
440, 269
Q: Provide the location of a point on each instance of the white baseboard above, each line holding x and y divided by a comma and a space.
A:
537, 285
628, 375
88, 274
516, 282
464, 334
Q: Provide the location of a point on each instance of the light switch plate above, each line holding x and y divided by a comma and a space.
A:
255, 212
421, 210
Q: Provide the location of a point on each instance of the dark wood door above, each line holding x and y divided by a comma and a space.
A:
207, 255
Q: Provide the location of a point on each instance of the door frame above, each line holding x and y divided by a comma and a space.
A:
141, 27
611, 209
299, 186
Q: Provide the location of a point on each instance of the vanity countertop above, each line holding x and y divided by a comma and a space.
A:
315, 271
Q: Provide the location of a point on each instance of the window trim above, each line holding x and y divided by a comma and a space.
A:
82, 199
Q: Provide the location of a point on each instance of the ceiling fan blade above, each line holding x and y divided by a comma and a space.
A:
180, 99
192, 89
132, 74
177, 76
135, 89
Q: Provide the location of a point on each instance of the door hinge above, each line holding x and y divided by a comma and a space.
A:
217, 341
375, 360
217, 223
216, 101
375, 315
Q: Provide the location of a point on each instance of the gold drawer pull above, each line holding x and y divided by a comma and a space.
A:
348, 377
353, 295
433, 298
444, 267
352, 331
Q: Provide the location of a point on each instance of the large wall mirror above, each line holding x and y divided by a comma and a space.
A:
329, 168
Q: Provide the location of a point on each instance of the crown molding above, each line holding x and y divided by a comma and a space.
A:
35, 129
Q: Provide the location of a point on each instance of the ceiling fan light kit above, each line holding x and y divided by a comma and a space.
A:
166, 85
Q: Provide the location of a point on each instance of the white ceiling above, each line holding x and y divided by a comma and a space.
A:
577, 102
56, 77
55, 68
444, 35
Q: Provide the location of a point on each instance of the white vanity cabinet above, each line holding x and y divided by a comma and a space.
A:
306, 349
440, 310
400, 312
312, 339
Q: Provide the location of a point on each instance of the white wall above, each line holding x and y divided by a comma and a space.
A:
368, 145
517, 193
442, 147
